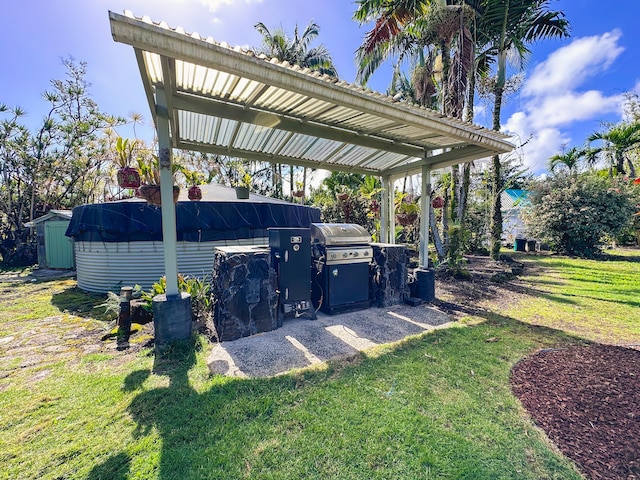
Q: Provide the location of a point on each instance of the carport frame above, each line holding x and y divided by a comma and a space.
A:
199, 90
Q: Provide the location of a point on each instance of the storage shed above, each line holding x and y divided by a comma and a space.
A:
120, 243
55, 250
513, 201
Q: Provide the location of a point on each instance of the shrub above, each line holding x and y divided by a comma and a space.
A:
574, 213
198, 288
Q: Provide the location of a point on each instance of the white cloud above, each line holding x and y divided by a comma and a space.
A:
569, 66
571, 107
551, 99
540, 146
214, 5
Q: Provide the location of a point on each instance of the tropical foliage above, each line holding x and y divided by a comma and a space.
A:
60, 164
575, 214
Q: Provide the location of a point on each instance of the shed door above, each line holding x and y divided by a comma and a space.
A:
58, 246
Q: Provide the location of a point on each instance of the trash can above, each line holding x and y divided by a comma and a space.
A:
425, 287
531, 245
519, 244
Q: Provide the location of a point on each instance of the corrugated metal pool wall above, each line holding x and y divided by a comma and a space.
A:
103, 267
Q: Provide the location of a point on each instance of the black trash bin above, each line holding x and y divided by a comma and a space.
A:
425, 286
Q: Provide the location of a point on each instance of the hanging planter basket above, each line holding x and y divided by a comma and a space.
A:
437, 202
298, 193
636, 181
195, 193
151, 193
406, 219
128, 177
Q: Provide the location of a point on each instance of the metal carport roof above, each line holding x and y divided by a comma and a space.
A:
206, 96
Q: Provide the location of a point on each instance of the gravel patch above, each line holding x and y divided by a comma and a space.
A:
301, 343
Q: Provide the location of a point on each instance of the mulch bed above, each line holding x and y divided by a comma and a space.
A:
587, 400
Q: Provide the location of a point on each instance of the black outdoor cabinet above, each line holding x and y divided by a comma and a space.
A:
342, 288
291, 258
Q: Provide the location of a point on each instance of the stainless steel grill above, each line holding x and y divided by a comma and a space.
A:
341, 255
341, 243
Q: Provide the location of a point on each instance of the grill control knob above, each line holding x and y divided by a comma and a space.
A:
333, 255
366, 253
355, 254
344, 255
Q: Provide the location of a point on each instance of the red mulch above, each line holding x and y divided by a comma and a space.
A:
587, 400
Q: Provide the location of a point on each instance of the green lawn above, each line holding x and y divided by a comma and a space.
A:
437, 406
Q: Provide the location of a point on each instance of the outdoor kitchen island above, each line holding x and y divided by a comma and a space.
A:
347, 273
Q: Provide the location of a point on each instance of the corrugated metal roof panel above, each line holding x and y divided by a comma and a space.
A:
219, 79
154, 67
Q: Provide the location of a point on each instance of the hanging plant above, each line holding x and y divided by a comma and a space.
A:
194, 178
437, 202
194, 193
127, 176
407, 213
637, 181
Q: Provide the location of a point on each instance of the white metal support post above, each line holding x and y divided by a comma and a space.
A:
425, 212
384, 210
166, 194
392, 211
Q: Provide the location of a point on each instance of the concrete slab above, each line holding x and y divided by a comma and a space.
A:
301, 342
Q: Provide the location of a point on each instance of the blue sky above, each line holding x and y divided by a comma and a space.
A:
570, 86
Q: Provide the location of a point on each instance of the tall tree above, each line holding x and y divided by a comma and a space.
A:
295, 50
436, 35
60, 165
510, 26
617, 143
569, 160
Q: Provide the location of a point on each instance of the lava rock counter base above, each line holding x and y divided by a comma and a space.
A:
245, 301
388, 275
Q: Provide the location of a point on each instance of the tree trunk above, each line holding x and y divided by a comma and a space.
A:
620, 163
291, 184
435, 235
465, 183
496, 182
455, 193
304, 181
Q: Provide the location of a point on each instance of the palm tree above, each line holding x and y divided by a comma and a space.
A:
436, 35
569, 159
618, 141
296, 51
424, 31
509, 26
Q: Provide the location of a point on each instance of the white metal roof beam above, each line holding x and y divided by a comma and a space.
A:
271, 158
169, 75
447, 159
148, 90
190, 103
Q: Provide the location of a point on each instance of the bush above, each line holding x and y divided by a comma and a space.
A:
574, 213
198, 288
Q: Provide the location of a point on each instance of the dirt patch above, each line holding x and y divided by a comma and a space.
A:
492, 285
587, 400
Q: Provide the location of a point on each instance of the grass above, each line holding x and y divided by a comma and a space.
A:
597, 300
437, 406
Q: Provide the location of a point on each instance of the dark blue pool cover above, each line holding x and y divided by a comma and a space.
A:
196, 221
